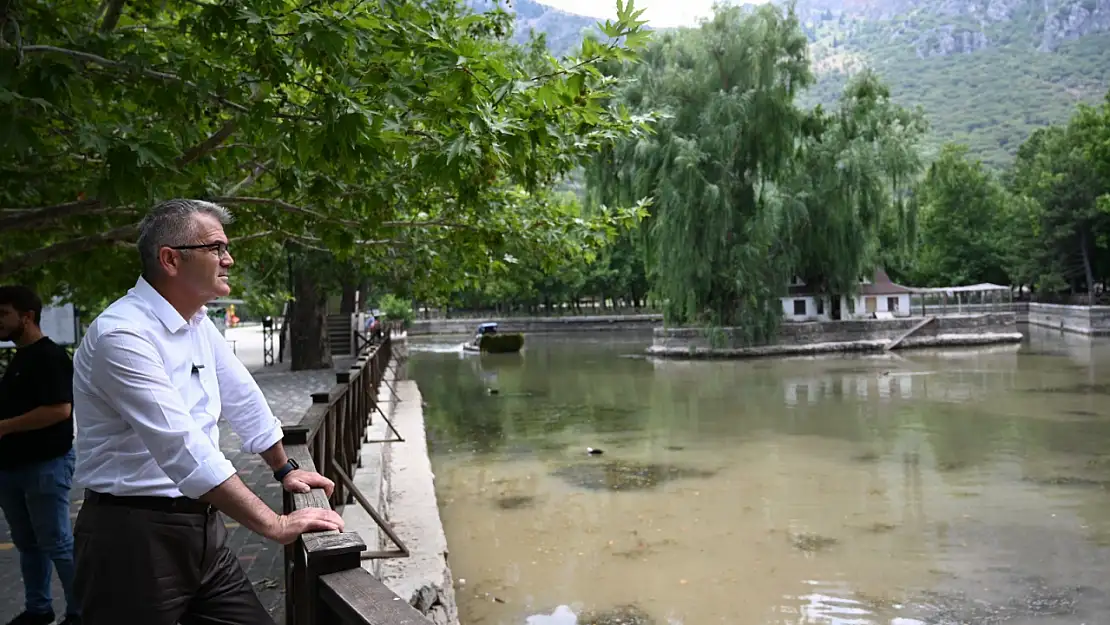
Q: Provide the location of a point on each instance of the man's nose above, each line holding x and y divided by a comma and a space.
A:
226, 260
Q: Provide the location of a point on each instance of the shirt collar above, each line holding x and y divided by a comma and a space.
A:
162, 309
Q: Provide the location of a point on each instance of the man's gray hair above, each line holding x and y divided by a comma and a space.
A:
171, 223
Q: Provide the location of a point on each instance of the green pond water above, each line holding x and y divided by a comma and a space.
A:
957, 486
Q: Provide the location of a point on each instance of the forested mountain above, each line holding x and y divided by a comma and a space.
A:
986, 72
563, 30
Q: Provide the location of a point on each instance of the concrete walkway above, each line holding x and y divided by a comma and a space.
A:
289, 395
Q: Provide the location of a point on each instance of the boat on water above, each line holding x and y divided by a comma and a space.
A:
489, 340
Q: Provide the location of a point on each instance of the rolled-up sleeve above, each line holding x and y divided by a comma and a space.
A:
242, 403
130, 375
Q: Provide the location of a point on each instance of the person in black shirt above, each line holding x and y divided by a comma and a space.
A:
36, 456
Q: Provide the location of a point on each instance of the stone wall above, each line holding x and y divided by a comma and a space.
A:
597, 323
833, 336
397, 479
1078, 319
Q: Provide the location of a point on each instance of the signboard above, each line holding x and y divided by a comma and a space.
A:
59, 323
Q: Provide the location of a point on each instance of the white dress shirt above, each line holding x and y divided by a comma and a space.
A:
146, 417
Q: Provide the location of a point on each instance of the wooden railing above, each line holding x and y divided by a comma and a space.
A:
325, 583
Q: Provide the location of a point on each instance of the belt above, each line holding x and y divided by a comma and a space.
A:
183, 505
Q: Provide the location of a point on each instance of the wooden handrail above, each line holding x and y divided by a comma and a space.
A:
325, 583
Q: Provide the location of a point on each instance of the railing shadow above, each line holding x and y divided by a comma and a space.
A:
325, 583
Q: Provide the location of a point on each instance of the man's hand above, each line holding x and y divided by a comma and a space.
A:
301, 481
288, 527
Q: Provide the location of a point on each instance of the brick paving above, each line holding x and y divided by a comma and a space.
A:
289, 395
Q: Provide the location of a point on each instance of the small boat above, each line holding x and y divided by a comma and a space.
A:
489, 340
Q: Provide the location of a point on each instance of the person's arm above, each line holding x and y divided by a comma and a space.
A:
41, 417
244, 406
131, 377
52, 388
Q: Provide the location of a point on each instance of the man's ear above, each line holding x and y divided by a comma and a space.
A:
170, 261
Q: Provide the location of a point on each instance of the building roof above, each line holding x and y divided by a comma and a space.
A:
970, 288
880, 285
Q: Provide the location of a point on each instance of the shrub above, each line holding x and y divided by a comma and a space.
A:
397, 309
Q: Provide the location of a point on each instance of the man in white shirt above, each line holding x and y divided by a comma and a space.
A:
151, 378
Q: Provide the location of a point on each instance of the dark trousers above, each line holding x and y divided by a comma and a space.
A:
159, 561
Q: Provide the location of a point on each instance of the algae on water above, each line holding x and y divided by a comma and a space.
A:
619, 475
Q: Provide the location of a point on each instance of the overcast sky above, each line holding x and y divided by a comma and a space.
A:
659, 13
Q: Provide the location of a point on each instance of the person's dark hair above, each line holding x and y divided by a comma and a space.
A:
22, 299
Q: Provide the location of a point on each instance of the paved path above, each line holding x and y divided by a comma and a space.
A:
289, 395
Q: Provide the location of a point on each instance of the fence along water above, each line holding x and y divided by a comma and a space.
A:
325, 583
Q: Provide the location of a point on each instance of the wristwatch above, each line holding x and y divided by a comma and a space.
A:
289, 466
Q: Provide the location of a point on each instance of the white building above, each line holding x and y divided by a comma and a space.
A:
876, 298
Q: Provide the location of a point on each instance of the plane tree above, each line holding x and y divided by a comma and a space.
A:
354, 130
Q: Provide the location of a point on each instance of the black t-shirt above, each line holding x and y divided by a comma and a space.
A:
40, 374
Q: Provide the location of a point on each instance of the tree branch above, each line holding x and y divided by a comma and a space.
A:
285, 206
24, 218
65, 248
259, 168
112, 15
256, 235
209, 144
292, 208
150, 73
425, 224
122, 235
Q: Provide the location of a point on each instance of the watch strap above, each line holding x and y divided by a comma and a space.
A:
289, 466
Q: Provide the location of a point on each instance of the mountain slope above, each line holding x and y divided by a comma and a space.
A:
986, 72
564, 30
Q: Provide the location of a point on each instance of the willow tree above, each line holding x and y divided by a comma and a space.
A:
850, 180
747, 188
728, 134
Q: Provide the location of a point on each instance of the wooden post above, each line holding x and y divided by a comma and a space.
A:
327, 553
290, 553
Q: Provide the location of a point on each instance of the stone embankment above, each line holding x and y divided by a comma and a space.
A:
591, 323
397, 479
1091, 320
838, 336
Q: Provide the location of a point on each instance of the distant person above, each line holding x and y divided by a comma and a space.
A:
373, 327
151, 379
36, 456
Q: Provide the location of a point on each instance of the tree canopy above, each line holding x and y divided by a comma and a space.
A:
747, 187
404, 133
1044, 223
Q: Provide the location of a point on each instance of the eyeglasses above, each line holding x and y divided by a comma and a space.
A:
219, 248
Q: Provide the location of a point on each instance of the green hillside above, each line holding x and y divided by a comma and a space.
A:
986, 72
984, 81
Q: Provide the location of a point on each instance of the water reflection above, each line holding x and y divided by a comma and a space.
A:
926, 487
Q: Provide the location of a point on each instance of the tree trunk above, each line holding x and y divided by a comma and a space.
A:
347, 303
308, 338
1088, 273
364, 302
283, 333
